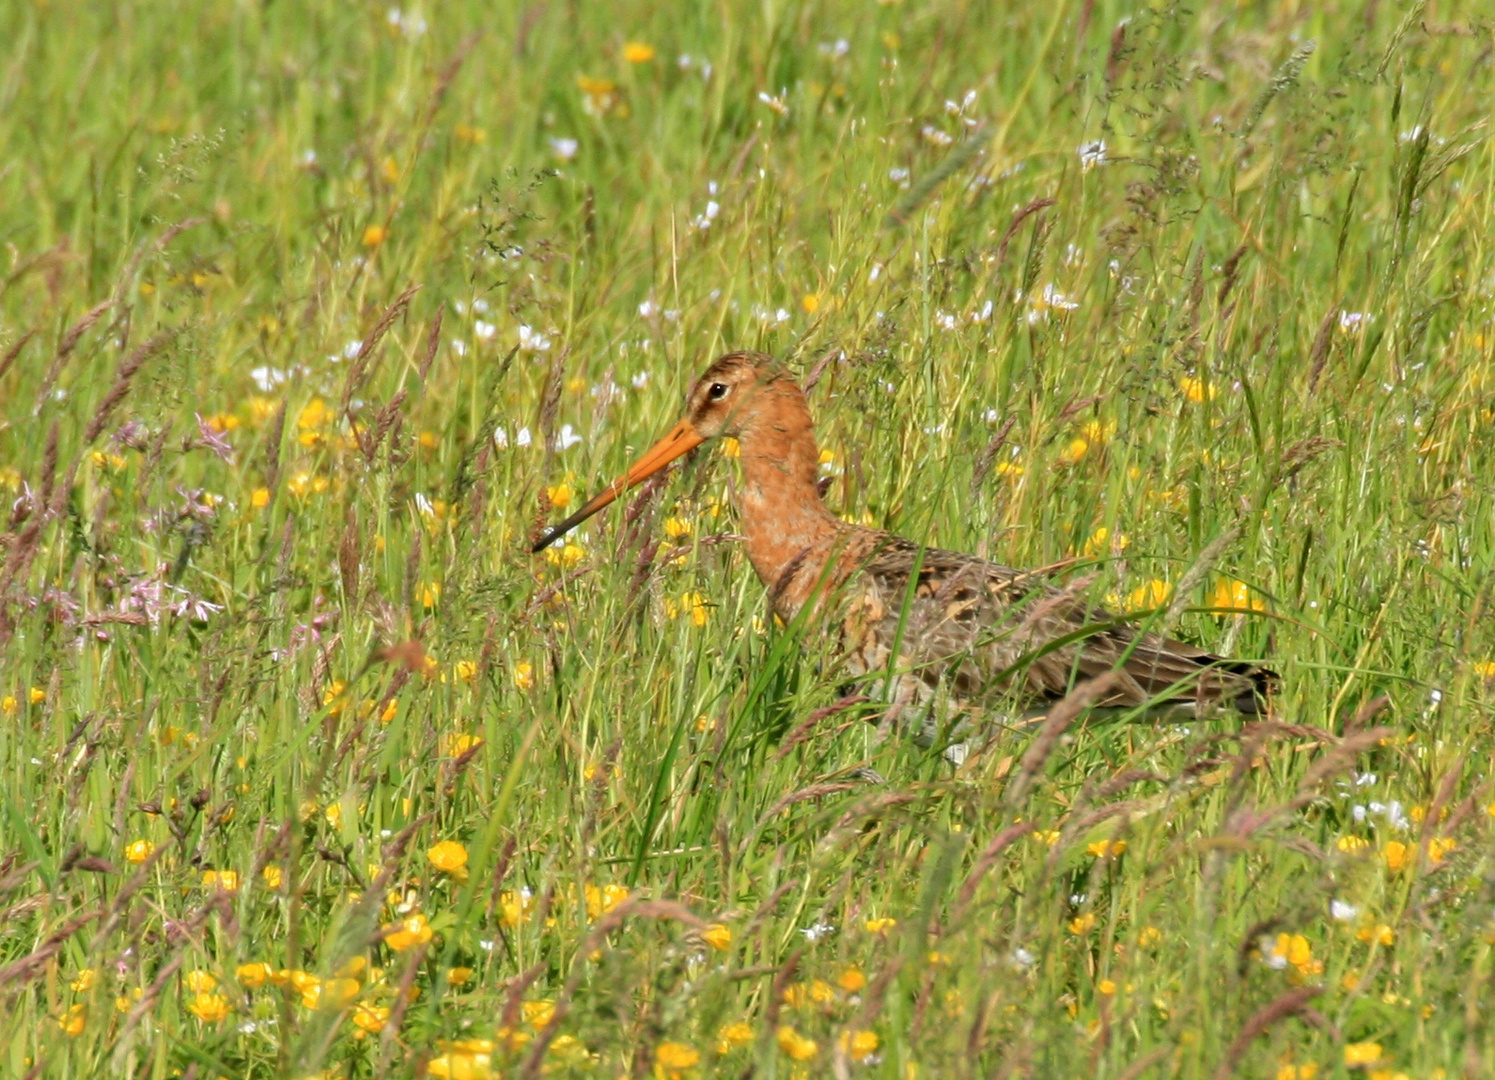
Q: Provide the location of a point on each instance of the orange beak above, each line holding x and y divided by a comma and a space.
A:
682, 439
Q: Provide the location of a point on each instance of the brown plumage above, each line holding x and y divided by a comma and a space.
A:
971, 635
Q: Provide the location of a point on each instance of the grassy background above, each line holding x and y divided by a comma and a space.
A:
1262, 312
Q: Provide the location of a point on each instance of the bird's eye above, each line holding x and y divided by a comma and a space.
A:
717, 391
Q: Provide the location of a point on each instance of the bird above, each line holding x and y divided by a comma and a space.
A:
937, 637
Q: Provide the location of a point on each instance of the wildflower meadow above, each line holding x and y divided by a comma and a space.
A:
313, 314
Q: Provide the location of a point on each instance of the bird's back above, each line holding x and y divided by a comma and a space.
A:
975, 632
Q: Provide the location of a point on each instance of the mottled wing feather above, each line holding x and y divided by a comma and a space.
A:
978, 631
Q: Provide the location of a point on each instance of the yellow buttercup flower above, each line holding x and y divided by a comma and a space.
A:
537, 1013
1439, 847
253, 975
858, 1045
460, 1065
733, 1035
1362, 1054
1196, 390
223, 880
881, 926
85, 980
637, 52
851, 980
201, 982
719, 937
408, 933
524, 675
448, 856
795, 1045
74, 1020
1396, 854
208, 1007
1153, 594
137, 851
671, 1059
1235, 595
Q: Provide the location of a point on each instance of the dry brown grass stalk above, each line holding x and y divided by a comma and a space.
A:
14, 351
128, 368
65, 349
1060, 716
1290, 1003
360, 368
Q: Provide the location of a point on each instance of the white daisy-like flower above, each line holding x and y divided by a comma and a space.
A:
531, 340
1092, 154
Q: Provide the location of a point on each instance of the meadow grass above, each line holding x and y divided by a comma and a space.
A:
310, 316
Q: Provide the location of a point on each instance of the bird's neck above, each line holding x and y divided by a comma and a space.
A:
790, 533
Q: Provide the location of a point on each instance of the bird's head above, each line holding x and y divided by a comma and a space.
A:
728, 399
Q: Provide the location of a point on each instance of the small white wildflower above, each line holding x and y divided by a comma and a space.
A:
1092, 154
1274, 959
1341, 911
267, 378
531, 340
522, 438
1352, 322
308, 158
981, 314
563, 148
775, 103
875, 272
834, 49
640, 380
935, 137
567, 438
1358, 812
500, 438
1396, 815
944, 320
1023, 958
1367, 779
480, 306
647, 309
459, 347
814, 932
898, 175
